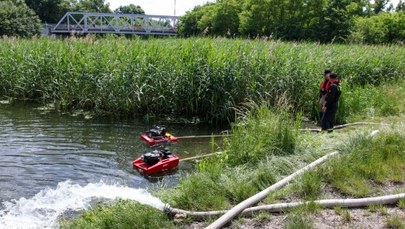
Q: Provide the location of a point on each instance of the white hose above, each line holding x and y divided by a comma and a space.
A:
346, 125
261, 195
281, 207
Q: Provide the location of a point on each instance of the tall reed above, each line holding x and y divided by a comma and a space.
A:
192, 77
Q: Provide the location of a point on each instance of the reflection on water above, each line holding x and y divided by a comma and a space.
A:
41, 149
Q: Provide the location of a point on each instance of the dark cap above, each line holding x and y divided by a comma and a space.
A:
327, 71
333, 76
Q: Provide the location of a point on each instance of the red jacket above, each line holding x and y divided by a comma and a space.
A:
324, 87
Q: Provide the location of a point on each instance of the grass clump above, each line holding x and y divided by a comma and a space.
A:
299, 219
309, 186
377, 160
401, 204
198, 192
259, 134
123, 215
395, 222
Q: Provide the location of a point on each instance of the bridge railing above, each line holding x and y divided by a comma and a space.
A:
85, 22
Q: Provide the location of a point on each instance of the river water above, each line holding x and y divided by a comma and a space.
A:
52, 163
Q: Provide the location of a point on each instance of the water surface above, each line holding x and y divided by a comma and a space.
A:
39, 149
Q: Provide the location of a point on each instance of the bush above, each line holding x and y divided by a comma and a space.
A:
379, 29
17, 19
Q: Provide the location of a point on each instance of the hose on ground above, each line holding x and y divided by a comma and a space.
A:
241, 207
229, 215
282, 207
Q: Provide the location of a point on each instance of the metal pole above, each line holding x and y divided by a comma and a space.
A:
174, 7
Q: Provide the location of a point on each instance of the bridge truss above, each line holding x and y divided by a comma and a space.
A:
81, 22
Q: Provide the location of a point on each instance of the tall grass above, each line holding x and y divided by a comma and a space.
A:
123, 215
194, 77
261, 133
370, 161
370, 101
252, 160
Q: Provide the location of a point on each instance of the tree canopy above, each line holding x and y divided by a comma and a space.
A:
99, 6
316, 20
49, 11
17, 19
129, 9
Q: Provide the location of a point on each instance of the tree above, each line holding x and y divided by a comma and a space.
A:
337, 21
98, 6
189, 23
256, 18
379, 5
49, 11
225, 20
380, 28
400, 6
17, 19
129, 9
314, 19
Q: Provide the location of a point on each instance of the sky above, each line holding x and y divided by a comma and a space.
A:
160, 7
166, 7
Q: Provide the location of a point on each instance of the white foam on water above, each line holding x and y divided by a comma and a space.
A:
43, 210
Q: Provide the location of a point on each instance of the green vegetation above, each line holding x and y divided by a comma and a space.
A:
51, 11
380, 28
395, 222
377, 160
219, 183
123, 215
17, 19
202, 78
223, 80
309, 186
401, 204
225, 180
361, 21
129, 9
278, 134
299, 219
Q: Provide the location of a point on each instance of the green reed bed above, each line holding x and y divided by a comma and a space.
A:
192, 77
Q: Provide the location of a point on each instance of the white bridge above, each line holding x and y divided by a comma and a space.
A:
84, 23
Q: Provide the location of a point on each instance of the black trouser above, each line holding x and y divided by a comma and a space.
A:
328, 118
320, 116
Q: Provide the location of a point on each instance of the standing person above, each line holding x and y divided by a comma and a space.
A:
331, 104
323, 89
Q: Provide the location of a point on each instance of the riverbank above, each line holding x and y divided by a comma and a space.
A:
233, 184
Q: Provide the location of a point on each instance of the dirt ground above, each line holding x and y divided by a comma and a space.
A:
326, 218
